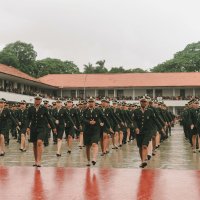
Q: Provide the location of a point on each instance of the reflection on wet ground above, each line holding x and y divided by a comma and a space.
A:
175, 153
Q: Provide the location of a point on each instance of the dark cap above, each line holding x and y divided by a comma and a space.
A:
22, 102
38, 97
91, 99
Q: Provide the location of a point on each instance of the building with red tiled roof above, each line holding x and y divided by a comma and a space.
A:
124, 80
175, 88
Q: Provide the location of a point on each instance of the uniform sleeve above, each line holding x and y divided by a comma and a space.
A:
49, 119
104, 119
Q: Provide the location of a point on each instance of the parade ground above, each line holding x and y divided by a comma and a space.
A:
173, 173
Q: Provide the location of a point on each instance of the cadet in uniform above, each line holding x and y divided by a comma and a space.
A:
92, 117
145, 119
61, 117
5, 115
37, 114
70, 130
21, 116
48, 128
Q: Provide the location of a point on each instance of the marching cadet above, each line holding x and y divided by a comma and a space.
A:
109, 114
123, 126
60, 117
145, 119
48, 128
13, 111
5, 116
80, 113
70, 130
92, 117
21, 116
155, 138
50, 111
128, 122
194, 115
37, 114
116, 125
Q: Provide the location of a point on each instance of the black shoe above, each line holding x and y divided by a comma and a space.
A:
153, 154
120, 145
143, 165
46, 144
107, 152
34, 165
103, 154
69, 152
58, 155
94, 162
38, 165
24, 150
88, 165
21, 150
149, 157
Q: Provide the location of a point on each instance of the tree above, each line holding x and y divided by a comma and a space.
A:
100, 68
117, 70
9, 60
187, 60
23, 55
89, 69
55, 66
136, 70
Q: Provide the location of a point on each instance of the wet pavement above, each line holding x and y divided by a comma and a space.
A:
175, 153
171, 174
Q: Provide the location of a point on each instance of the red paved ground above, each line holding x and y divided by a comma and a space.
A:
97, 183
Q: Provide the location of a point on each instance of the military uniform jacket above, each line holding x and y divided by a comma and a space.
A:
74, 116
22, 117
36, 118
62, 117
94, 114
194, 116
5, 116
146, 120
109, 114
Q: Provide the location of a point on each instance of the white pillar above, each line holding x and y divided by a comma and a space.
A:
115, 93
133, 96
174, 92
95, 93
174, 110
154, 94
76, 93
61, 92
193, 92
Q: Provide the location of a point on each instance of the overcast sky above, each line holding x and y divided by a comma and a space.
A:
128, 33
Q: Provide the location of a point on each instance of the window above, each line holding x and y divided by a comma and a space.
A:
110, 93
182, 93
73, 93
120, 93
149, 92
101, 93
81, 93
158, 92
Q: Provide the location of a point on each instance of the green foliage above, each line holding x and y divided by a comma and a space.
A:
55, 66
10, 60
187, 60
22, 54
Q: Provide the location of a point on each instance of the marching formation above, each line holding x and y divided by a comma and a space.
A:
110, 124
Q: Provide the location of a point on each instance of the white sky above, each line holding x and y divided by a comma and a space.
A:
128, 33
